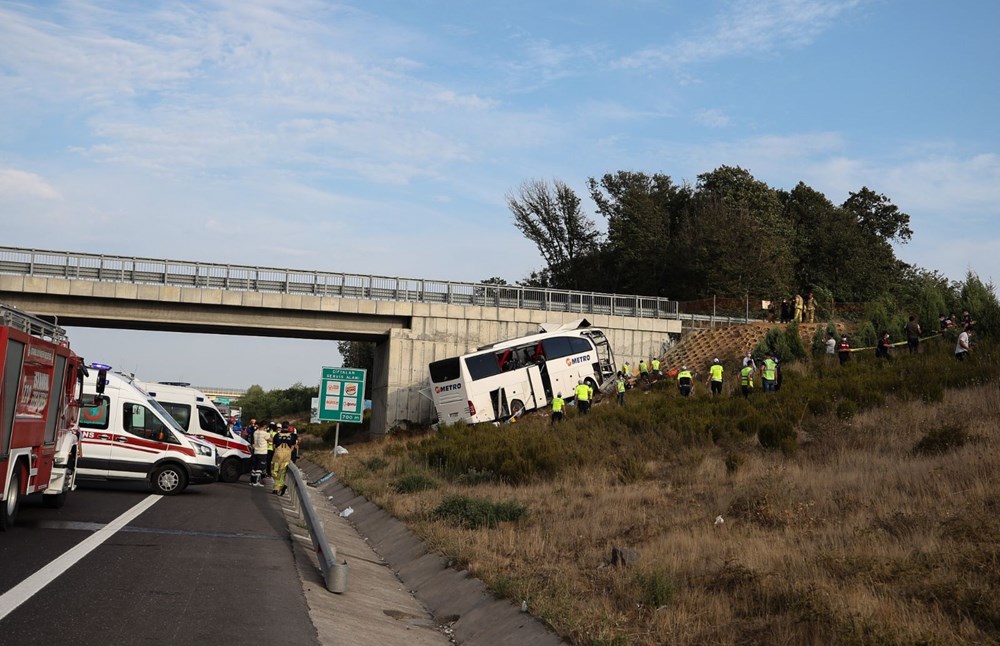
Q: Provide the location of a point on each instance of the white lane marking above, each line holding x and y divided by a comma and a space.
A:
26, 589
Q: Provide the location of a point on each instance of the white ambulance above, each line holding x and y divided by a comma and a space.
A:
126, 435
197, 415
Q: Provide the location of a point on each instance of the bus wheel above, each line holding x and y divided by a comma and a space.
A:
168, 480
230, 470
516, 407
10, 506
593, 385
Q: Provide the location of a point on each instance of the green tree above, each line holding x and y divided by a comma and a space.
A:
981, 300
644, 213
551, 217
737, 240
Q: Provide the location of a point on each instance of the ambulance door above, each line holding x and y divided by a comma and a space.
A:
96, 438
142, 439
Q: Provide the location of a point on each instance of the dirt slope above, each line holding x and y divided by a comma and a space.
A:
698, 347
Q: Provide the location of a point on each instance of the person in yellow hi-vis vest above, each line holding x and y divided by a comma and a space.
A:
656, 368
746, 380
685, 381
283, 441
715, 377
583, 394
558, 403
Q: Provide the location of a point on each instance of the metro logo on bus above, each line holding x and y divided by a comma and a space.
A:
570, 362
443, 389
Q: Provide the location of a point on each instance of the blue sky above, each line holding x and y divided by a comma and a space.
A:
382, 137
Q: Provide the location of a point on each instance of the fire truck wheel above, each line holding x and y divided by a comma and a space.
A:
10, 506
168, 479
230, 470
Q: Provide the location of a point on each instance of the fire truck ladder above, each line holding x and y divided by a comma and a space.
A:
33, 325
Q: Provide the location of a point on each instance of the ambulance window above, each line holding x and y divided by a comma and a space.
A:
97, 416
180, 412
211, 421
140, 421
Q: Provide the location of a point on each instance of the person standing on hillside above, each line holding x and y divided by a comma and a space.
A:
558, 404
746, 380
715, 377
769, 373
831, 347
644, 370
798, 308
655, 363
913, 334
843, 350
882, 347
962, 348
620, 389
786, 311
811, 309
583, 393
685, 381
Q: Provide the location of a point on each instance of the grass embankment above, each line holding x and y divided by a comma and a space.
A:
873, 518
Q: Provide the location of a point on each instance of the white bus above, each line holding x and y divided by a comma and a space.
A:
500, 380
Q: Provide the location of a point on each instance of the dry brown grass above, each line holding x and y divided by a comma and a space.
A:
854, 539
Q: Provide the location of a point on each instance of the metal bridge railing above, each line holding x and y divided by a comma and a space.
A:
178, 273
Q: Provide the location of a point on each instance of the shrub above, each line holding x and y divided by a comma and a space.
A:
846, 409
414, 482
733, 462
473, 477
942, 440
632, 470
793, 343
656, 588
777, 435
376, 463
473, 513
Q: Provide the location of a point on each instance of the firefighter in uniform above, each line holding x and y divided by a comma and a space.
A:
283, 442
259, 456
272, 430
583, 393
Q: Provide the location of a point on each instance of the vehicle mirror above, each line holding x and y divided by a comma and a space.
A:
90, 401
102, 380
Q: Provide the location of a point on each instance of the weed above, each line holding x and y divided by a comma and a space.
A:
376, 463
942, 440
472, 513
414, 482
656, 588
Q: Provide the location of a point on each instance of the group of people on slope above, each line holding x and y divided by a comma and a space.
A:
275, 445
798, 310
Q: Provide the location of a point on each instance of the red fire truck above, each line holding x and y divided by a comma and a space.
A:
41, 383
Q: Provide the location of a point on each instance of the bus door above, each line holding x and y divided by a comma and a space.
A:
539, 389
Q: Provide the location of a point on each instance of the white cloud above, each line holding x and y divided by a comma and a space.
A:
19, 184
745, 27
713, 118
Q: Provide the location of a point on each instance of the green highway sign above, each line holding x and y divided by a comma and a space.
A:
342, 395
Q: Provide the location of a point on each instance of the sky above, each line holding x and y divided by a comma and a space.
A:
383, 137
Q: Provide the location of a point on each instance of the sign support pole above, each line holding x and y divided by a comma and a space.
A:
336, 440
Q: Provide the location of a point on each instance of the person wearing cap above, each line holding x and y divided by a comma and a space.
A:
769, 373
583, 394
715, 377
685, 381
843, 350
558, 404
283, 441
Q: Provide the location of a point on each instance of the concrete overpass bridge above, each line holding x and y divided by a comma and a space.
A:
411, 321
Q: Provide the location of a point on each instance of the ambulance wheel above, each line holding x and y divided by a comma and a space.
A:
10, 506
168, 480
230, 470
516, 407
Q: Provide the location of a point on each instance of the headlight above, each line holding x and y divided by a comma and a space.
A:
204, 449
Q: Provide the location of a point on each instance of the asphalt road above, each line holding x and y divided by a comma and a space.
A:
213, 565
